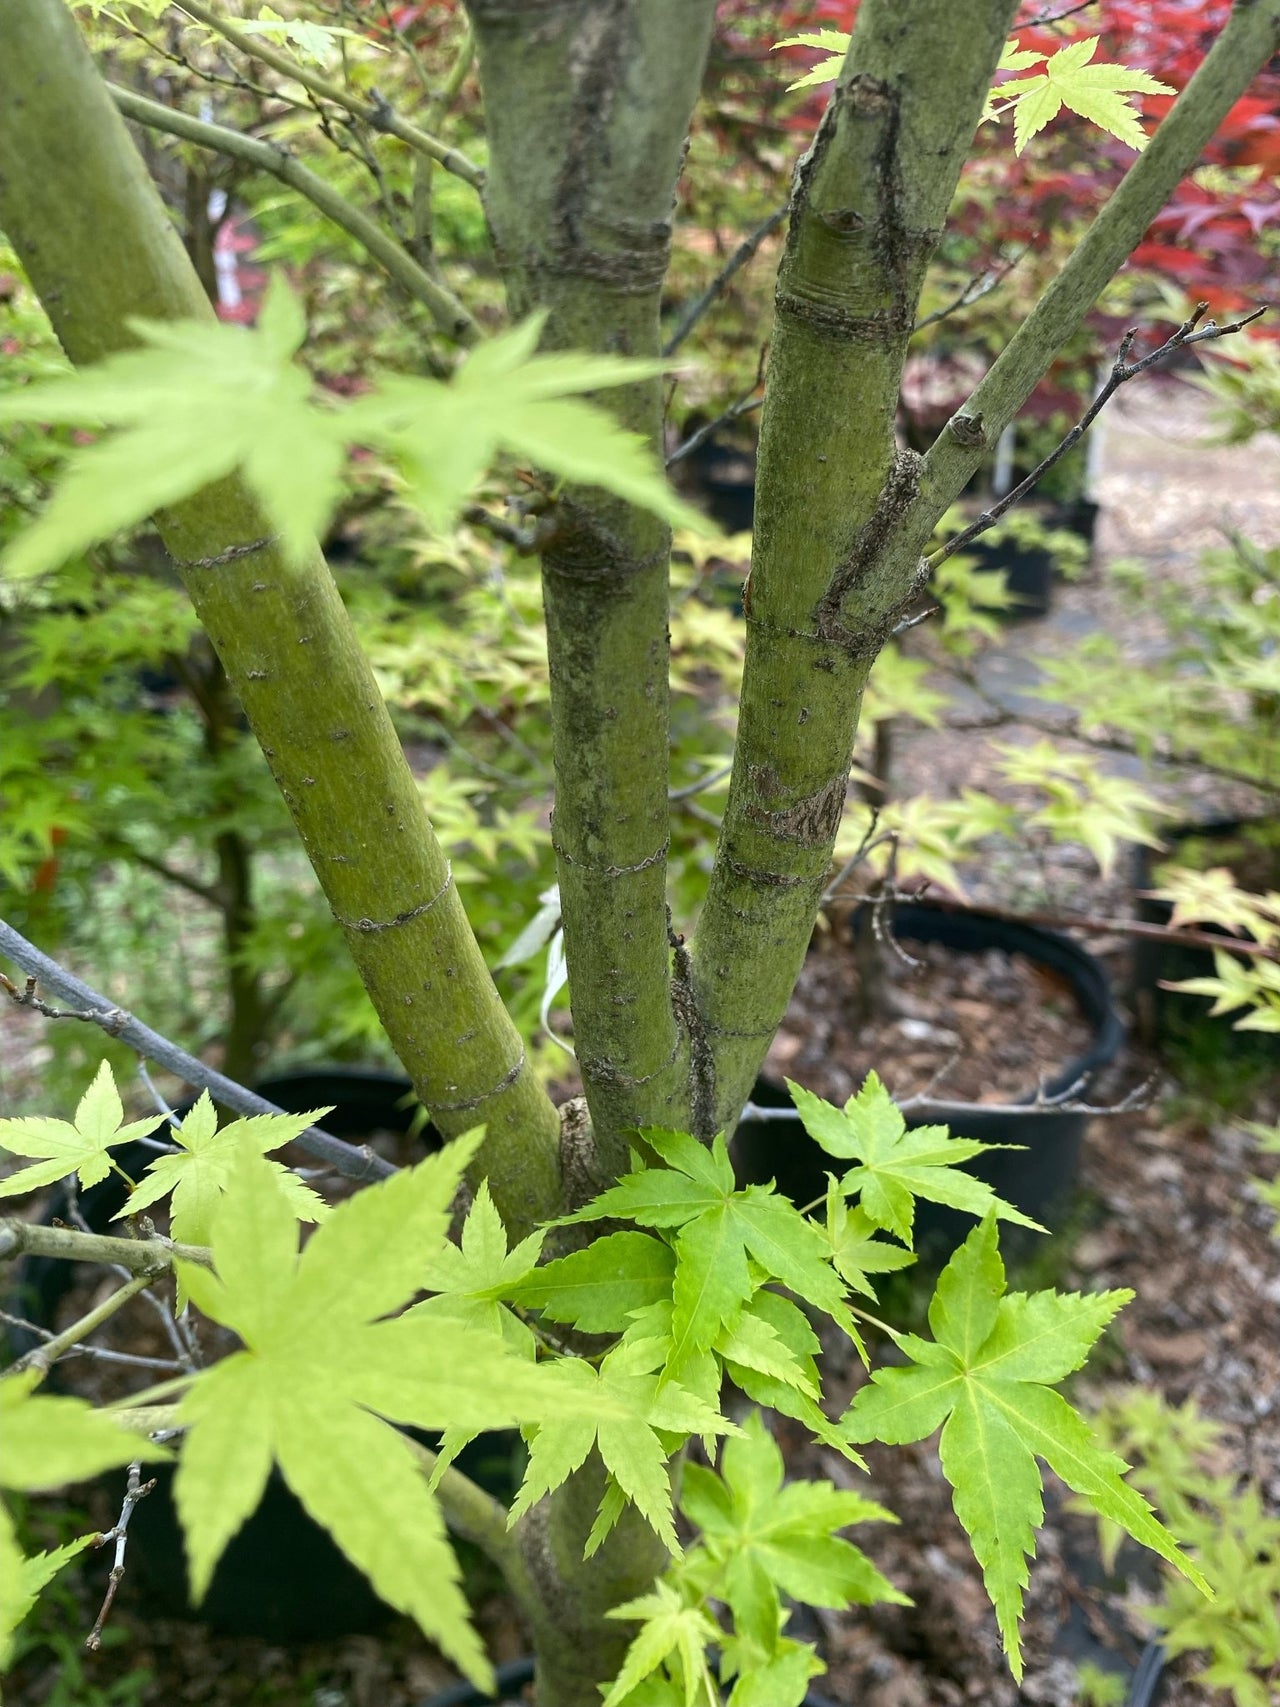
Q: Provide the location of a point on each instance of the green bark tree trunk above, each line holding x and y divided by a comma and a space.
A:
89, 226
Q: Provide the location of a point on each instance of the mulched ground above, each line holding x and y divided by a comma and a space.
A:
1166, 1209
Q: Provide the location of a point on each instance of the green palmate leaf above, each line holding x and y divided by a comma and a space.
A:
855, 1249
80, 1147
768, 1538
721, 1232
599, 1289
321, 1372
1099, 93
633, 1421
835, 43
471, 1280
896, 1166
792, 1394
197, 1177
984, 1378
200, 400
673, 1635
45, 1443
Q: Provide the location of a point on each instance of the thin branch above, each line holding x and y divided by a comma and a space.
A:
353, 1162
1121, 372
982, 284
1054, 17
100, 1352
145, 1258
43, 1357
702, 784
1092, 925
374, 112
445, 309
741, 255
207, 892
468, 1510
1003, 716
135, 1490
749, 401
457, 76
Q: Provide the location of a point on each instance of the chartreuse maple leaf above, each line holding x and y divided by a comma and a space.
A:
986, 1379
855, 1249
674, 1635
325, 1362
65, 1147
1099, 93
45, 1443
718, 1233
470, 1280
766, 1537
894, 1165
635, 1421
598, 1289
197, 1175
198, 400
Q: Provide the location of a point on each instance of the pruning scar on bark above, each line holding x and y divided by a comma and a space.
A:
689, 1017
504, 1083
232, 554
369, 926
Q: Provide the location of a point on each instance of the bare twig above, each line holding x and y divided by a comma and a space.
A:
1122, 371
749, 401
43, 1357
446, 310
1054, 17
910, 622
741, 255
375, 112
350, 1161
143, 1258
1091, 925
703, 783
980, 285
101, 1353
135, 1490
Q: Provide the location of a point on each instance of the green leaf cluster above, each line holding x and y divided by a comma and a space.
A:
986, 1378
328, 1368
198, 401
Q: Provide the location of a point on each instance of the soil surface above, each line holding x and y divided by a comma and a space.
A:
987, 1027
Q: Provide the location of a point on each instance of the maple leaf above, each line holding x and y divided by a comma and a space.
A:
767, 1537
895, 1166
470, 1280
45, 1443
1096, 92
985, 1378
325, 1374
80, 1147
201, 399
720, 1231
671, 1631
793, 1392
599, 1289
635, 1421
835, 43
855, 1250
197, 1177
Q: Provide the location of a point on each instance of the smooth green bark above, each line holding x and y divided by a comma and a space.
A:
587, 107
870, 200
98, 246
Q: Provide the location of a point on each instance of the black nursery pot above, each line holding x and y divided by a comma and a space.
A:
1171, 1017
282, 1577
1038, 1179
1028, 573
